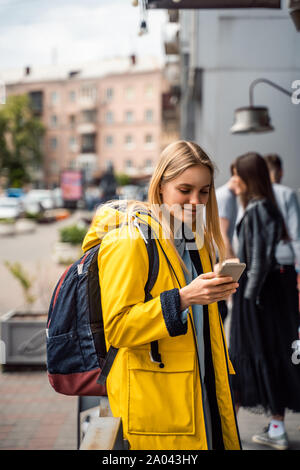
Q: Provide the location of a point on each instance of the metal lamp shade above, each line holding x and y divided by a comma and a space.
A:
251, 119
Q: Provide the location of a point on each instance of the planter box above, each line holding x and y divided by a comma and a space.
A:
23, 335
25, 226
66, 253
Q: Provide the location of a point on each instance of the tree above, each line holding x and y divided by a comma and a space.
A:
20, 140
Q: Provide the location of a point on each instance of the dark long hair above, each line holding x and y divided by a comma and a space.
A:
253, 170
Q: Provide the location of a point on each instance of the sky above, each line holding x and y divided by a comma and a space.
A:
43, 32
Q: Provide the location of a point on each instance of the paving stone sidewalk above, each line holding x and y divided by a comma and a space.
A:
34, 417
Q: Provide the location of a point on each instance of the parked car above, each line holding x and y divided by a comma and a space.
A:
57, 197
38, 199
14, 192
10, 208
131, 191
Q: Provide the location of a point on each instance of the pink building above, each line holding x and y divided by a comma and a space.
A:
109, 112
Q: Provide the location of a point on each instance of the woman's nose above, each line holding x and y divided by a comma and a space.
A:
195, 199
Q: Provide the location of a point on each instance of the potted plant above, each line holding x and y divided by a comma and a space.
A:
23, 331
68, 248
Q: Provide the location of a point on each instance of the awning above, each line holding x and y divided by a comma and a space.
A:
211, 4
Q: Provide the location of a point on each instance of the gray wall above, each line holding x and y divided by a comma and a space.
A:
233, 48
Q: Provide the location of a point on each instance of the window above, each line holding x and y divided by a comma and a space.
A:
36, 99
148, 163
109, 117
89, 115
129, 143
53, 143
149, 141
129, 116
149, 115
72, 120
53, 121
73, 144
88, 143
128, 164
109, 140
129, 92
72, 96
88, 92
54, 97
149, 90
109, 94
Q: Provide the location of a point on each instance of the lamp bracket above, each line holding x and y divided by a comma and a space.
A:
268, 82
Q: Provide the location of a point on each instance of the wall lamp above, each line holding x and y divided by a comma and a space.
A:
254, 119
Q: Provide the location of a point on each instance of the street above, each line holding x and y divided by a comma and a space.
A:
33, 251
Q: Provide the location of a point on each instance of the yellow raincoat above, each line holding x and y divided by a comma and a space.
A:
161, 408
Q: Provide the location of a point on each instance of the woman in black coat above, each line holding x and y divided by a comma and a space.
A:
263, 327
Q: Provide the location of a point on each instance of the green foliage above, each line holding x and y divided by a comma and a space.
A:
7, 221
32, 216
122, 179
73, 234
18, 272
20, 140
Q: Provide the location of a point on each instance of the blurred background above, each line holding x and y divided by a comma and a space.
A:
91, 92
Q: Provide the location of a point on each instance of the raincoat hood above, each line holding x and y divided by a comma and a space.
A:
105, 220
109, 218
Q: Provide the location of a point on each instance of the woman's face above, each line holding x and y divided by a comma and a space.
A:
238, 185
188, 190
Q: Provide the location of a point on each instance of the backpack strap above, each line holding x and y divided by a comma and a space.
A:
152, 276
153, 256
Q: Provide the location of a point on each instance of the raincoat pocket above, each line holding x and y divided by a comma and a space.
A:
161, 400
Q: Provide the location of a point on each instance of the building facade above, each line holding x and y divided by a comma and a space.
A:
109, 113
221, 52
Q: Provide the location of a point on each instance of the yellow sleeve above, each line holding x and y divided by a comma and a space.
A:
129, 321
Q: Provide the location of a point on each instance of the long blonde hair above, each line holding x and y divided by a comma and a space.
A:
175, 159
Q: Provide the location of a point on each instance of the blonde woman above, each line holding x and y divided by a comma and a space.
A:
182, 400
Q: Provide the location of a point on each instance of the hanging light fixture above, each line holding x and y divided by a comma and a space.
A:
143, 16
254, 119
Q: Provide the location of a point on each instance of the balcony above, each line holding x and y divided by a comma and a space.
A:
86, 128
171, 39
87, 121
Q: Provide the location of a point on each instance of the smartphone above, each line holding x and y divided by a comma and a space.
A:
234, 270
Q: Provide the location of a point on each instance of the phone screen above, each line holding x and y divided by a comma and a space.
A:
233, 270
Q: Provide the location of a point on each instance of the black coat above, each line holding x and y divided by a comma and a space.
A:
259, 231
264, 318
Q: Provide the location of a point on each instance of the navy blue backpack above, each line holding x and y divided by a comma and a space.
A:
77, 360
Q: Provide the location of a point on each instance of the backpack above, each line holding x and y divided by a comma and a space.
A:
77, 360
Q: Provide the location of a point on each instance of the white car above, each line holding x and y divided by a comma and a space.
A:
38, 199
10, 207
131, 191
57, 197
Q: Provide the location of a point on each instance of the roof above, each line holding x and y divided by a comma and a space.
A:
96, 69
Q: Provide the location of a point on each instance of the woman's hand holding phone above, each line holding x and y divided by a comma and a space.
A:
206, 289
